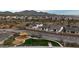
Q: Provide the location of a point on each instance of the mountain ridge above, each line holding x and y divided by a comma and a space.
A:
25, 13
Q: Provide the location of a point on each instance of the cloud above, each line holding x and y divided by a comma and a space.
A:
41, 10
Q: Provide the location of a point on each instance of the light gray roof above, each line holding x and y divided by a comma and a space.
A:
72, 28
51, 27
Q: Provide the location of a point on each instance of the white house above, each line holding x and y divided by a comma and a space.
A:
37, 26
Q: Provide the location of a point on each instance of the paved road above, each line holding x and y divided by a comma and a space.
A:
48, 36
4, 35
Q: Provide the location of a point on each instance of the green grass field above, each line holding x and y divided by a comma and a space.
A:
38, 42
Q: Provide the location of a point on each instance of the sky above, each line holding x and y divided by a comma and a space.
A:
61, 12
62, 7
64, 12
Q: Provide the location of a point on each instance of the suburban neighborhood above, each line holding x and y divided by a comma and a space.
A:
38, 29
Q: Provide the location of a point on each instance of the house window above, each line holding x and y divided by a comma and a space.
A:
67, 31
72, 31
76, 32
54, 30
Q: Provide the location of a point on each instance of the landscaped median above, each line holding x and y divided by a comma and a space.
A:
23, 39
17, 39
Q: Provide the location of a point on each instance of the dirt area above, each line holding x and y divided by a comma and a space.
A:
20, 39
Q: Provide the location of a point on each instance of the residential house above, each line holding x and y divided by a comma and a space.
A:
71, 29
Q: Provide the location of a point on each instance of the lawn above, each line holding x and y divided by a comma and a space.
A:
38, 42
